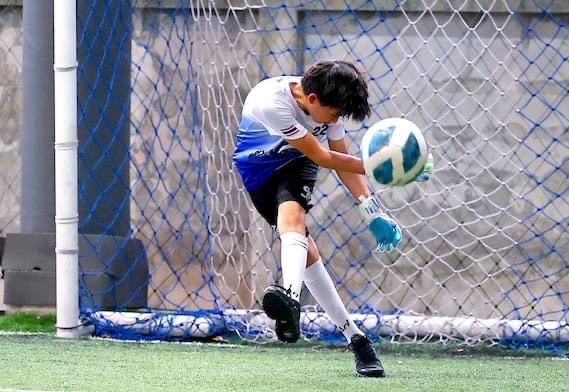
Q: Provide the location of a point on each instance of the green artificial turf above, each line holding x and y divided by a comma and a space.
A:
46, 363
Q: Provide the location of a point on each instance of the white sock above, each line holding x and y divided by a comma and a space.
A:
294, 249
320, 285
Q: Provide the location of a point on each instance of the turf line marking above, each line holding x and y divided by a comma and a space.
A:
24, 390
21, 333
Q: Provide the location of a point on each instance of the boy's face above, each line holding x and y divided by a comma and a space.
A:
319, 113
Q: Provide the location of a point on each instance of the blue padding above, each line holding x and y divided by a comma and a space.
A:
411, 153
379, 140
384, 172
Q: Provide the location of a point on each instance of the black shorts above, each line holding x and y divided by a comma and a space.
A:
292, 182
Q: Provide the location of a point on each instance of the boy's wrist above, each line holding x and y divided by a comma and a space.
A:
362, 198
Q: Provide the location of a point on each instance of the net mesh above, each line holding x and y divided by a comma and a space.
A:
178, 244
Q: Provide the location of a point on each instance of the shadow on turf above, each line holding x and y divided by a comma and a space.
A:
430, 349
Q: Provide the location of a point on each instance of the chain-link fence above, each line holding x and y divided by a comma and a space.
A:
10, 113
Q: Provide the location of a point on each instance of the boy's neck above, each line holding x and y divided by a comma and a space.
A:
298, 95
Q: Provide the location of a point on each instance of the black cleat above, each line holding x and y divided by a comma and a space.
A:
279, 306
367, 363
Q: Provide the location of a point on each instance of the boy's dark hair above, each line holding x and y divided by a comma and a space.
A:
338, 84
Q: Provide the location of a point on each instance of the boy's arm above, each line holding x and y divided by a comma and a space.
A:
356, 183
310, 147
278, 118
385, 230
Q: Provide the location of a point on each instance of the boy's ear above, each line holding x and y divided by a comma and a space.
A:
312, 98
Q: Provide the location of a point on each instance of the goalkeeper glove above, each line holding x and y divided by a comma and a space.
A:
385, 230
427, 170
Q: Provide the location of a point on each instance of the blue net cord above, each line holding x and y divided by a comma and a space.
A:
168, 231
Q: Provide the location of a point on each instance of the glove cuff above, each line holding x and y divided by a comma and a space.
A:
369, 208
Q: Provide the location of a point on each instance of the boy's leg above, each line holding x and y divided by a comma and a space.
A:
283, 303
283, 203
322, 288
294, 246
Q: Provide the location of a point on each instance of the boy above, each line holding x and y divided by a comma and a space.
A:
278, 153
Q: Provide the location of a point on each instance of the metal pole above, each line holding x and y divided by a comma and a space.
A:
66, 215
38, 119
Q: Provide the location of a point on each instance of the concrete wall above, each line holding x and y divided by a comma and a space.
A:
470, 247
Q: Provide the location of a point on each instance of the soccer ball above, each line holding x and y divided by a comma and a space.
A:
394, 151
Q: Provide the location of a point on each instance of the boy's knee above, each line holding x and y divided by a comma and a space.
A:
291, 217
313, 252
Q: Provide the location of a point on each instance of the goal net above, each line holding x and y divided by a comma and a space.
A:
179, 251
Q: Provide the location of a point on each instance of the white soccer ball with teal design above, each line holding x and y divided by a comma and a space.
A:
394, 151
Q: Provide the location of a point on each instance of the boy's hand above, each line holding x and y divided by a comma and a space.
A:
427, 170
385, 230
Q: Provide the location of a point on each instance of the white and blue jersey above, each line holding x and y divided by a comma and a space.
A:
270, 117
